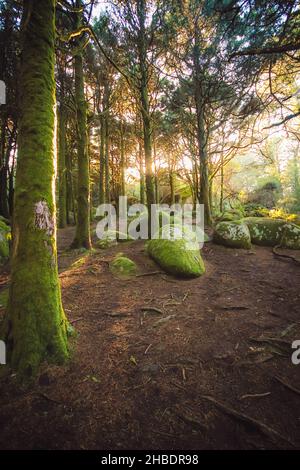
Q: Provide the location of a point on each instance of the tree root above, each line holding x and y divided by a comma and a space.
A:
152, 309
152, 273
261, 427
281, 255
287, 385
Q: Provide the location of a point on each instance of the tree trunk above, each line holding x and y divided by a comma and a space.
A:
122, 162
35, 327
4, 151
172, 187
69, 182
145, 110
222, 187
107, 143
82, 237
102, 161
107, 154
202, 137
62, 175
142, 175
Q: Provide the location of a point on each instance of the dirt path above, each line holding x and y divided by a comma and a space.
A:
137, 378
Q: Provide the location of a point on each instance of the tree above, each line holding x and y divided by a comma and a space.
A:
82, 237
35, 327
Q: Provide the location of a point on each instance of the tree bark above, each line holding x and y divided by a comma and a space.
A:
35, 327
142, 175
145, 109
82, 237
172, 187
5, 148
122, 160
202, 136
62, 176
222, 186
102, 161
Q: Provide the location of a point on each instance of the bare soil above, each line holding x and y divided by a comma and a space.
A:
200, 372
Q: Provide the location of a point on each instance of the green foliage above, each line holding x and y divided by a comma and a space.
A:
279, 213
252, 209
231, 215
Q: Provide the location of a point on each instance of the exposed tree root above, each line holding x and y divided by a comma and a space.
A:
152, 273
281, 255
263, 428
287, 385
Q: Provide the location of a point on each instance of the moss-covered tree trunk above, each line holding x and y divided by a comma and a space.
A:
107, 140
107, 154
145, 108
102, 161
62, 176
4, 151
122, 159
35, 327
69, 182
222, 185
202, 135
82, 237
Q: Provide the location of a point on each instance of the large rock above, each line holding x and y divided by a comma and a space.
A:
291, 236
4, 241
179, 255
265, 231
123, 267
232, 234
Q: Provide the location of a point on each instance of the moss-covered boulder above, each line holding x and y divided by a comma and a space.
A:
233, 234
291, 237
4, 241
179, 254
123, 267
105, 243
265, 231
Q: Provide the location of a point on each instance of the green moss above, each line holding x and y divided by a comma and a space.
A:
105, 243
265, 231
35, 326
231, 215
123, 267
232, 234
82, 235
178, 256
291, 236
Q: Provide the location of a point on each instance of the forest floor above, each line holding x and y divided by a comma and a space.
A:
210, 369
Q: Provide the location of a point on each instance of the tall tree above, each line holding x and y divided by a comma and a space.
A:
82, 237
35, 326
